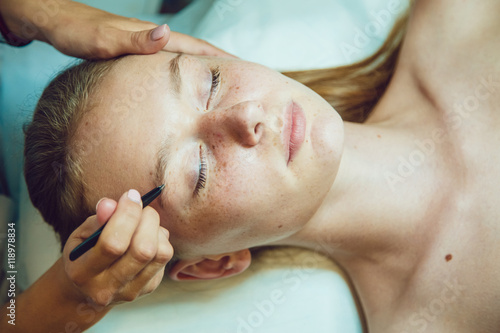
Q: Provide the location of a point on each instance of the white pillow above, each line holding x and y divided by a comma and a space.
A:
293, 34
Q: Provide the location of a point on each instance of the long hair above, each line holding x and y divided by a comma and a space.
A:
53, 170
353, 90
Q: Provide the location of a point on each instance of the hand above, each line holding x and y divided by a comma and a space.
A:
82, 31
129, 258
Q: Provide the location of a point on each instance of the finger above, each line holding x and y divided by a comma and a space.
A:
182, 43
105, 209
77, 271
142, 250
143, 285
117, 235
81, 233
151, 276
142, 42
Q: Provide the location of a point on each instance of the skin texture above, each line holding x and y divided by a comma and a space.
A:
240, 134
390, 226
393, 236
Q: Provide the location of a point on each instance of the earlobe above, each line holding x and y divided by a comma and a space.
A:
211, 267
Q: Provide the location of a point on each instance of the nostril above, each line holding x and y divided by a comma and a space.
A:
257, 128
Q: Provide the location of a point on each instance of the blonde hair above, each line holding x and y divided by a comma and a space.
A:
53, 171
353, 90
51, 168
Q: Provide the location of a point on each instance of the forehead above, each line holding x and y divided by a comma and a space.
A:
140, 75
119, 136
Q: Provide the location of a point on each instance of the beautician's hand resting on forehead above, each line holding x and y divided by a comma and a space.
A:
82, 31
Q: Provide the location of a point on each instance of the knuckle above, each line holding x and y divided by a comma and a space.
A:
113, 247
153, 283
149, 289
103, 297
136, 40
164, 254
101, 47
78, 279
130, 296
144, 253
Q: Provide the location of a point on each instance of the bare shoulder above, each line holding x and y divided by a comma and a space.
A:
463, 18
452, 47
451, 24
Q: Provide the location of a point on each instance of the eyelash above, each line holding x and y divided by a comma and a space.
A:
215, 83
202, 175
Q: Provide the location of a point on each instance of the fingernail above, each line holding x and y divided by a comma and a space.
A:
98, 202
165, 232
134, 196
158, 32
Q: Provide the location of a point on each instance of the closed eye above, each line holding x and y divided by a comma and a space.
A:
202, 174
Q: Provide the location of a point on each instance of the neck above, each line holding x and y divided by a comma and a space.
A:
377, 221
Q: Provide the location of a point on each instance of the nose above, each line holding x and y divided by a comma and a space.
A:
245, 122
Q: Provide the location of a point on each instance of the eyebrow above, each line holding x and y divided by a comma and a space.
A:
175, 73
162, 158
163, 154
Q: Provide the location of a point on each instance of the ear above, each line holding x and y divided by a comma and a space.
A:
211, 267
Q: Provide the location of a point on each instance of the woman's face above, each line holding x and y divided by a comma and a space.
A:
246, 154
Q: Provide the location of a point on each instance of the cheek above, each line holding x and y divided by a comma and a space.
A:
243, 184
236, 178
327, 140
253, 82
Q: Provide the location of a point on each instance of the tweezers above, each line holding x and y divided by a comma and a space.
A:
92, 240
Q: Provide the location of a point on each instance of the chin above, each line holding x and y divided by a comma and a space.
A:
327, 138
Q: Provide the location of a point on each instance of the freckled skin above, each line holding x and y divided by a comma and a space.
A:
250, 192
388, 239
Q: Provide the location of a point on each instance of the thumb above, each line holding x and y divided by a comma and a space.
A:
143, 42
105, 208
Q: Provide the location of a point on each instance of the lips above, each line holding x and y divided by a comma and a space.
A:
294, 130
